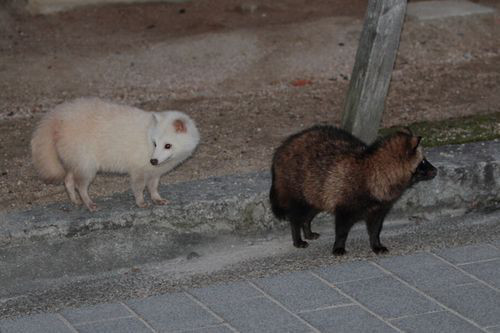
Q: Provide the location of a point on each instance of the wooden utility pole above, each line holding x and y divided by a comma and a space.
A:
372, 70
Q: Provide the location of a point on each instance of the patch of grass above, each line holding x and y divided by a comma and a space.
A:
456, 130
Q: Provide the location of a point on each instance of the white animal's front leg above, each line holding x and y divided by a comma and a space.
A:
138, 183
153, 191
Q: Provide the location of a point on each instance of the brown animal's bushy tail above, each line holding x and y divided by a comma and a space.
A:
44, 153
278, 211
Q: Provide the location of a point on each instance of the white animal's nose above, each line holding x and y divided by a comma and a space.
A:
154, 161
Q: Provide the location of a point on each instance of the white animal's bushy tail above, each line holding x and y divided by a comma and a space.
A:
44, 153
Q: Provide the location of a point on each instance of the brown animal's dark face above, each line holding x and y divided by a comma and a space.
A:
424, 171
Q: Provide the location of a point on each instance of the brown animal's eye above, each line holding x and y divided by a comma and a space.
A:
168, 146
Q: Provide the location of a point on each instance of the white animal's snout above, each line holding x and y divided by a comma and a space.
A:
160, 156
155, 161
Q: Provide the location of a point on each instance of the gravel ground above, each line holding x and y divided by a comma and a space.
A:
232, 68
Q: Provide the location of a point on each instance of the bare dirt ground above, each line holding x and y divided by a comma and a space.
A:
233, 65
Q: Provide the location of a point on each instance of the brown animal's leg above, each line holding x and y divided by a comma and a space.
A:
306, 226
297, 239
374, 226
300, 217
343, 223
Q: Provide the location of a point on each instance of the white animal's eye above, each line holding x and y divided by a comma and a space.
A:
168, 146
154, 144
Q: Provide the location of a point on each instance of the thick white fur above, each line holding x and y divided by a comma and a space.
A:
82, 137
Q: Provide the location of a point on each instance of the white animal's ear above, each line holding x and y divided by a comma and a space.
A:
180, 126
156, 119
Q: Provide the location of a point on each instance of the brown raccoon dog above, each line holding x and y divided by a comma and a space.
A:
324, 168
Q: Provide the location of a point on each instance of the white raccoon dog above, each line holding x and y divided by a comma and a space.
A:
87, 135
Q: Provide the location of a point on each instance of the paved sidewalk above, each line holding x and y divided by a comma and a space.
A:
449, 290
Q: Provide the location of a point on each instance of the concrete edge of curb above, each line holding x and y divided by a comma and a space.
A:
431, 10
468, 178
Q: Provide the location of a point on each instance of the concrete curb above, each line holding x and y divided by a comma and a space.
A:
468, 178
431, 10
53, 244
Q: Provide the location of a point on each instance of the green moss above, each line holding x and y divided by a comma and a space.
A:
456, 130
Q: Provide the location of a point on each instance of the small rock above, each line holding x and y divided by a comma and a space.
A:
301, 82
248, 8
397, 74
192, 255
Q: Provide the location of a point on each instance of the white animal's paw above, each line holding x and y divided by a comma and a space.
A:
92, 207
142, 204
160, 201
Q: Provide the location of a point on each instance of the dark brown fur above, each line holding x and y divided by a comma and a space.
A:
327, 169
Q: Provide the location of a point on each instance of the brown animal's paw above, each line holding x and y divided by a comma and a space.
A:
339, 251
380, 249
312, 235
301, 244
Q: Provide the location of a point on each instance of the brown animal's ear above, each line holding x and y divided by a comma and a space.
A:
415, 141
406, 130
180, 126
